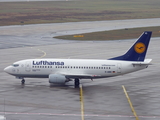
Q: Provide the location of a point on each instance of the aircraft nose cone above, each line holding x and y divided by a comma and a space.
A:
7, 69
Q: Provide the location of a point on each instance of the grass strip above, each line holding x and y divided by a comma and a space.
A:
20, 13
113, 34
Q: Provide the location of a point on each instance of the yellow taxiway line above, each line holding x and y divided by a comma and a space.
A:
130, 103
81, 101
44, 53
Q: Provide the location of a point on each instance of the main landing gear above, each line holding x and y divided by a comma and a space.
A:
76, 82
23, 81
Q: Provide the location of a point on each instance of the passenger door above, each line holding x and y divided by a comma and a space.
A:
28, 66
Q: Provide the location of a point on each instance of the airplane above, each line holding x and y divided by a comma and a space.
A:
2, 117
60, 71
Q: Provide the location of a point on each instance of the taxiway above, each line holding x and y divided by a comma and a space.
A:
103, 98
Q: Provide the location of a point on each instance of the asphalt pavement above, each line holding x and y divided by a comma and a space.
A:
103, 98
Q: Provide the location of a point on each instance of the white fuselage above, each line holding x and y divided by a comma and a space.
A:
82, 68
64, 70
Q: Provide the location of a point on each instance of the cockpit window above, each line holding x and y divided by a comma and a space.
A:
15, 65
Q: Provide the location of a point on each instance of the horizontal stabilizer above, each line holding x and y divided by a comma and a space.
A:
146, 62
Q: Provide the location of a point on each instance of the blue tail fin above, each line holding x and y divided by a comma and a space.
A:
138, 51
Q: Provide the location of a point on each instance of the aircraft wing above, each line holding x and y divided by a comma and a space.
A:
80, 76
146, 62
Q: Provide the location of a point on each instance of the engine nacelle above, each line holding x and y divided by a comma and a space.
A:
57, 79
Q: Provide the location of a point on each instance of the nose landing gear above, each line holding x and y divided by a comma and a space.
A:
22, 81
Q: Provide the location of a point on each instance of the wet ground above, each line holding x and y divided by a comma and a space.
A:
103, 98
42, 34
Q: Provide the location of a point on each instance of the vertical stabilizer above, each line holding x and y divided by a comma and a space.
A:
138, 51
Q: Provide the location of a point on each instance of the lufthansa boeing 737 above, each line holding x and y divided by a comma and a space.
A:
64, 70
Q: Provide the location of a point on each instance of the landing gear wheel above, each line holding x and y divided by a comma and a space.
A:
23, 81
76, 82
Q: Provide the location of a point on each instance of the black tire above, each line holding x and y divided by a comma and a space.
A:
23, 81
76, 82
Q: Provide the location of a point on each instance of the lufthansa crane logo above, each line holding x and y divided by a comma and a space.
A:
139, 47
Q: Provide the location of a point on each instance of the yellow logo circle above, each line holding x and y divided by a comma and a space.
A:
139, 47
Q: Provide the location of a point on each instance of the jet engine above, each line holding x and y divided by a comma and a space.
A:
57, 79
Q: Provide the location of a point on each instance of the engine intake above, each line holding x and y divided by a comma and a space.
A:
57, 79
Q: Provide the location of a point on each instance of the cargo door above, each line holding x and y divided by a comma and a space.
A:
119, 67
